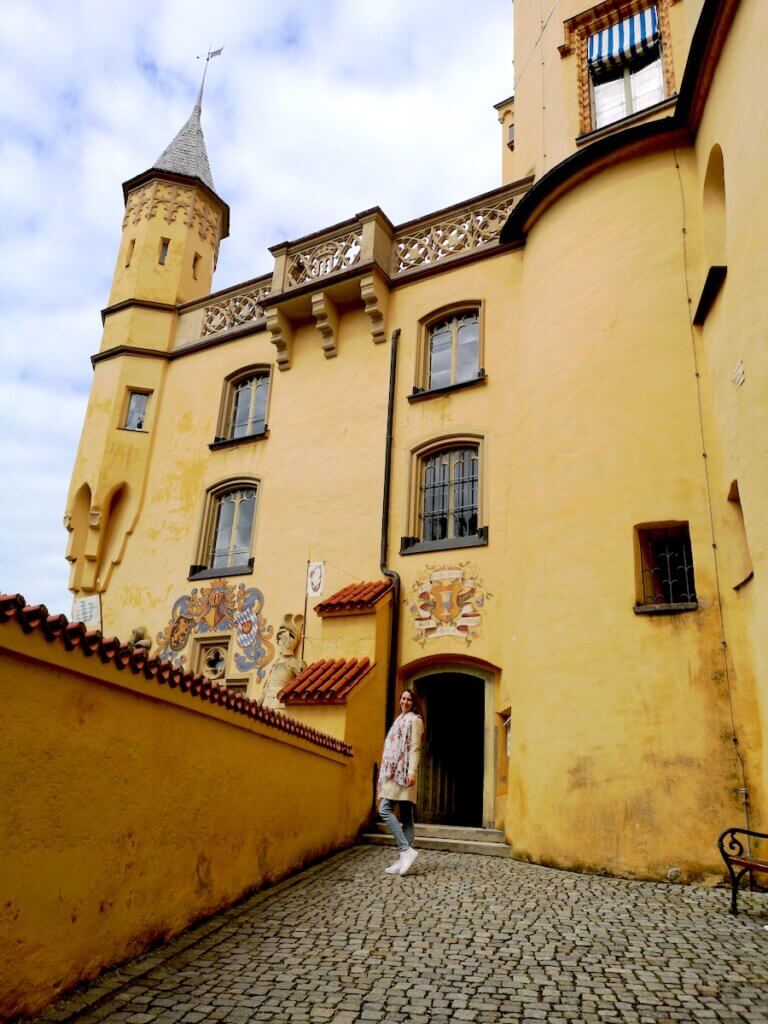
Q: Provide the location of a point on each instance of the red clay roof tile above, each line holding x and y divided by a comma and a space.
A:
356, 597
325, 682
35, 618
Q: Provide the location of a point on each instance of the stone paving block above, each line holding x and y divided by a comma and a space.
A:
463, 939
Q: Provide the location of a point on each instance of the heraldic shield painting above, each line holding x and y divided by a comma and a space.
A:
448, 602
215, 608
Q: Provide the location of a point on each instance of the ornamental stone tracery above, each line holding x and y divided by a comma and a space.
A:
327, 257
243, 308
465, 230
171, 200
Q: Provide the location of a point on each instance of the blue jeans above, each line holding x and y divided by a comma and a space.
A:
402, 830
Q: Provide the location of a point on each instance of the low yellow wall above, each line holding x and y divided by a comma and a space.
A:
129, 810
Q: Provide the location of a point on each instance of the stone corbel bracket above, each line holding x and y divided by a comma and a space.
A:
375, 295
281, 329
326, 316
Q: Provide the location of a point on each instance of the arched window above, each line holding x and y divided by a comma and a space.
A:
244, 406
446, 500
449, 493
226, 538
249, 405
714, 210
715, 235
451, 350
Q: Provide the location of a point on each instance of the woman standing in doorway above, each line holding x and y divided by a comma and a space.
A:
398, 779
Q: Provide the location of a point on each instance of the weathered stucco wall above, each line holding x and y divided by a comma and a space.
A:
129, 809
622, 754
732, 339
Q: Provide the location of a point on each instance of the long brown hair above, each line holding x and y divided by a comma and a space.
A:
416, 706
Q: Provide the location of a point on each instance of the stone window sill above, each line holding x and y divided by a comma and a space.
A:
665, 609
202, 572
420, 394
414, 546
231, 442
624, 122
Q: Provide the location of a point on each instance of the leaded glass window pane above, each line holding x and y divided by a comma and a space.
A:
454, 351
440, 357
242, 544
222, 542
249, 408
233, 528
468, 339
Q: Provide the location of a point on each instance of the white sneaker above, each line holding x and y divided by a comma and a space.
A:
407, 857
394, 869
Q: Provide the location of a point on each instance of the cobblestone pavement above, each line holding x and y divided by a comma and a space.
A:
465, 938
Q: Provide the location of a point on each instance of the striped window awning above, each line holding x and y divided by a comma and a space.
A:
621, 44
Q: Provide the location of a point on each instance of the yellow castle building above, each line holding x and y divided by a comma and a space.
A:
511, 454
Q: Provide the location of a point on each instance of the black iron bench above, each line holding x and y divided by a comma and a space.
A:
739, 861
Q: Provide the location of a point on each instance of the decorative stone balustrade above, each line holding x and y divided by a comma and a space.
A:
454, 232
353, 263
235, 310
323, 259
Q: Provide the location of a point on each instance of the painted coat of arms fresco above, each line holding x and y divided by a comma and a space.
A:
215, 608
448, 602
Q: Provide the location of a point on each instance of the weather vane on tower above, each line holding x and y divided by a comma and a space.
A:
207, 57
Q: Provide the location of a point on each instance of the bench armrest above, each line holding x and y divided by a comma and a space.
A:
733, 842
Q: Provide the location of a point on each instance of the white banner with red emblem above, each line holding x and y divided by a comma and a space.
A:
315, 579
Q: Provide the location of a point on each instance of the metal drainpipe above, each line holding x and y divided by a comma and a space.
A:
394, 628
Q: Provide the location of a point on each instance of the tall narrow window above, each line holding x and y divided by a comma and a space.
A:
453, 350
249, 406
226, 538
449, 494
136, 412
129, 252
243, 412
625, 68
666, 567
233, 528
164, 246
196, 264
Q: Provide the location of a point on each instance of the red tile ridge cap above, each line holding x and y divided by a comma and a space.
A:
57, 628
355, 597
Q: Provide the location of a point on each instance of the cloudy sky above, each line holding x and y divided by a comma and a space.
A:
317, 109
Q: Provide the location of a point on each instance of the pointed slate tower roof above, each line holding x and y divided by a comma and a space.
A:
187, 154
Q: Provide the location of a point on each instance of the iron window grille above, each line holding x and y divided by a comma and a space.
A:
448, 505
453, 351
666, 564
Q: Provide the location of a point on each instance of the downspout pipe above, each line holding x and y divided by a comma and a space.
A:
394, 626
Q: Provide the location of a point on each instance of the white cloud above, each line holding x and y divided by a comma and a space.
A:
314, 112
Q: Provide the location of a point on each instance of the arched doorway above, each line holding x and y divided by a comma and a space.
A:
451, 780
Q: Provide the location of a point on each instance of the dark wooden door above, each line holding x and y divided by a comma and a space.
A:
451, 775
